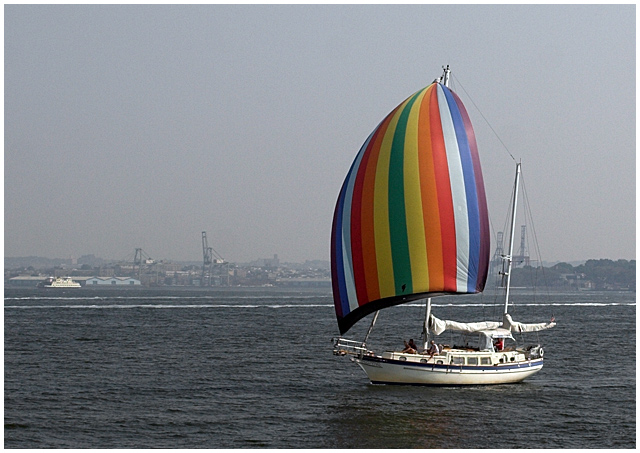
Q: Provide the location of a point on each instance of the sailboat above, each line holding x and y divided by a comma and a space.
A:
410, 224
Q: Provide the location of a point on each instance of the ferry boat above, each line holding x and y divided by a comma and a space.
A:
61, 282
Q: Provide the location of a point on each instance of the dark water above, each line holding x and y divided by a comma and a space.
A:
142, 369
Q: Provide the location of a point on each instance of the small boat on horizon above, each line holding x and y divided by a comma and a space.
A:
411, 223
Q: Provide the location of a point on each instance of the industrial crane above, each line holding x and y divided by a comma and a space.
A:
208, 261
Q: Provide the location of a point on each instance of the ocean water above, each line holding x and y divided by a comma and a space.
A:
254, 369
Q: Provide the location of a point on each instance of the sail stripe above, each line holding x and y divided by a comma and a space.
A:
381, 209
347, 250
356, 225
342, 238
419, 263
483, 216
369, 256
338, 273
457, 191
360, 217
411, 217
470, 261
429, 198
337, 267
444, 197
397, 213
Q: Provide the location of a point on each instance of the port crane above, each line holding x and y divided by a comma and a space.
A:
209, 258
141, 259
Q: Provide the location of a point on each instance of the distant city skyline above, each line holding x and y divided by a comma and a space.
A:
256, 259
140, 126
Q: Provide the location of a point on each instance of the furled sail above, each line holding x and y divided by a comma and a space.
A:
515, 326
438, 326
411, 218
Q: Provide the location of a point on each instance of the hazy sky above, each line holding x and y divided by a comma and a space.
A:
142, 126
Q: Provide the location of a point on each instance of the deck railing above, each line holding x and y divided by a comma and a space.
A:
342, 346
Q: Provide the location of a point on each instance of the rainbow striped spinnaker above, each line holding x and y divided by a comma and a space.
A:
411, 218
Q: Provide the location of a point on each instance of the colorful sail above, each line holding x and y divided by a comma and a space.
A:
411, 218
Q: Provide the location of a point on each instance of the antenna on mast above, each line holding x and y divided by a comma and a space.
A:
445, 76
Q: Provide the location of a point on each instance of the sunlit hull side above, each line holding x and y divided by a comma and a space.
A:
390, 371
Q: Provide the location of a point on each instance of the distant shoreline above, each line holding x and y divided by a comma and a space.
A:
198, 289
277, 289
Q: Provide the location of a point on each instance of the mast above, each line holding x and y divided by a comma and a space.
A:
425, 328
509, 257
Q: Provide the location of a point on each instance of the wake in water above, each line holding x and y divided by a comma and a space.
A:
118, 306
533, 304
161, 297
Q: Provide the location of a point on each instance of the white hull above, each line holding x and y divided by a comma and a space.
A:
63, 283
63, 286
388, 370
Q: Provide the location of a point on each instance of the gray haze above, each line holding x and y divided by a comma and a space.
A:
142, 126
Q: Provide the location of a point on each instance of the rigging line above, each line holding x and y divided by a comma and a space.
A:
494, 268
535, 238
533, 276
484, 118
540, 269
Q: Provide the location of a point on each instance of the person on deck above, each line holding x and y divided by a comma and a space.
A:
410, 347
499, 344
433, 349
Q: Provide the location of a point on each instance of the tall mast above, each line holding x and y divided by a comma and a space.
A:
509, 257
425, 327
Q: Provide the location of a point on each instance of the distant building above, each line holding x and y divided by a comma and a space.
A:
269, 263
26, 281
121, 281
305, 282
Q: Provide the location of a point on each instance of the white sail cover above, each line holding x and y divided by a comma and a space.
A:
437, 326
514, 326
